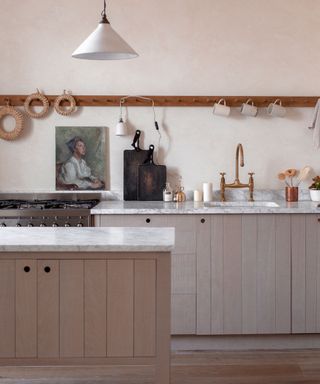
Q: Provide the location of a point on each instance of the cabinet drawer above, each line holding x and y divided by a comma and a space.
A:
133, 221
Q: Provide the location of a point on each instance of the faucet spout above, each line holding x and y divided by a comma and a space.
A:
239, 151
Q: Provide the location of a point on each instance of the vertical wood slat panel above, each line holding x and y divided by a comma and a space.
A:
317, 246
312, 274
26, 309
163, 320
249, 273
217, 267
183, 314
298, 259
95, 297
48, 309
266, 306
203, 269
7, 308
144, 307
232, 279
283, 274
71, 308
120, 287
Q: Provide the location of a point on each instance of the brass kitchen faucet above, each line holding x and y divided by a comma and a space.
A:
237, 183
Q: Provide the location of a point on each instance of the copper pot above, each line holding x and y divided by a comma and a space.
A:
292, 194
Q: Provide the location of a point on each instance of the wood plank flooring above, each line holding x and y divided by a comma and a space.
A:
254, 367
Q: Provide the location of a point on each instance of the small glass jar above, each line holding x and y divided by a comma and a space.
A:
167, 193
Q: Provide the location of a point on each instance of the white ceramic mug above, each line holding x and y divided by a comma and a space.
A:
221, 108
249, 109
276, 109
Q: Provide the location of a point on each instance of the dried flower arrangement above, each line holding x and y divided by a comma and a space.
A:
293, 177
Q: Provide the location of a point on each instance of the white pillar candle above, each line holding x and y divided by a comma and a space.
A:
207, 192
197, 196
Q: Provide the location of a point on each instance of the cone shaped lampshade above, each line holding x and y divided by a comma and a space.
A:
104, 44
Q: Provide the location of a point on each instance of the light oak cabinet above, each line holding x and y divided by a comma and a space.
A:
245, 277
78, 308
241, 274
183, 262
305, 273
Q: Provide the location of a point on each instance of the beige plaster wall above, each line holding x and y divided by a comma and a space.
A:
200, 47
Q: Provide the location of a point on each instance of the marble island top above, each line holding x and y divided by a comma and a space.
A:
190, 207
86, 239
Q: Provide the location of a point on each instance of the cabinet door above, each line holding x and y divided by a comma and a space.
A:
250, 272
71, 308
48, 308
305, 274
183, 262
26, 308
7, 308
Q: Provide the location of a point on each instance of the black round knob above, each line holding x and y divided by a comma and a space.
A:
148, 220
80, 225
18, 225
67, 225
203, 221
47, 269
3, 224
55, 225
30, 225
27, 268
43, 225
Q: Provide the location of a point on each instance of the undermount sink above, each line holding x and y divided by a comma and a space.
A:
245, 204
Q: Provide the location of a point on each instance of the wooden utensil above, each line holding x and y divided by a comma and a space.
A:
304, 173
151, 179
131, 161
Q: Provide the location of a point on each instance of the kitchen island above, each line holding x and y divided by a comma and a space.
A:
86, 296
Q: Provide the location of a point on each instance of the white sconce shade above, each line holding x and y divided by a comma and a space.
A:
121, 128
104, 44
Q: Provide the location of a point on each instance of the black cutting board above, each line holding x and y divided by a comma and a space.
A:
131, 161
151, 179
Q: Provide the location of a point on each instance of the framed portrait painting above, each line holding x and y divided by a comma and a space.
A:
80, 158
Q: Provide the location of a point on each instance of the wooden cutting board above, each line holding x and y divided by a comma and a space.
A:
131, 161
151, 179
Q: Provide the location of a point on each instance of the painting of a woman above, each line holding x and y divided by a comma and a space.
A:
75, 173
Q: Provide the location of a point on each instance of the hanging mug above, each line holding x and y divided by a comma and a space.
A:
249, 109
221, 108
276, 109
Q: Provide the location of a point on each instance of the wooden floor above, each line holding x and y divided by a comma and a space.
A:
254, 367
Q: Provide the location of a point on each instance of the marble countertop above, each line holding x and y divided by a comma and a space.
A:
86, 239
189, 207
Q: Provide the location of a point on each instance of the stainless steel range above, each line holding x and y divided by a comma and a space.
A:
53, 210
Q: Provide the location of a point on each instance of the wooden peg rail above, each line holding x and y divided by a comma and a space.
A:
172, 101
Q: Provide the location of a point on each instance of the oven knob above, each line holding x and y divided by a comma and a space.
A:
67, 225
55, 225
80, 225
18, 225
43, 225
30, 225
3, 224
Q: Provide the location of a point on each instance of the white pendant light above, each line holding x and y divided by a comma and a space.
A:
104, 44
121, 128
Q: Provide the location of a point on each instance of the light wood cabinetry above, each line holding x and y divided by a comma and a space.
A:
241, 274
248, 286
305, 274
83, 308
183, 262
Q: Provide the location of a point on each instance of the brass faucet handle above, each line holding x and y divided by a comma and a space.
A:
222, 174
251, 173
